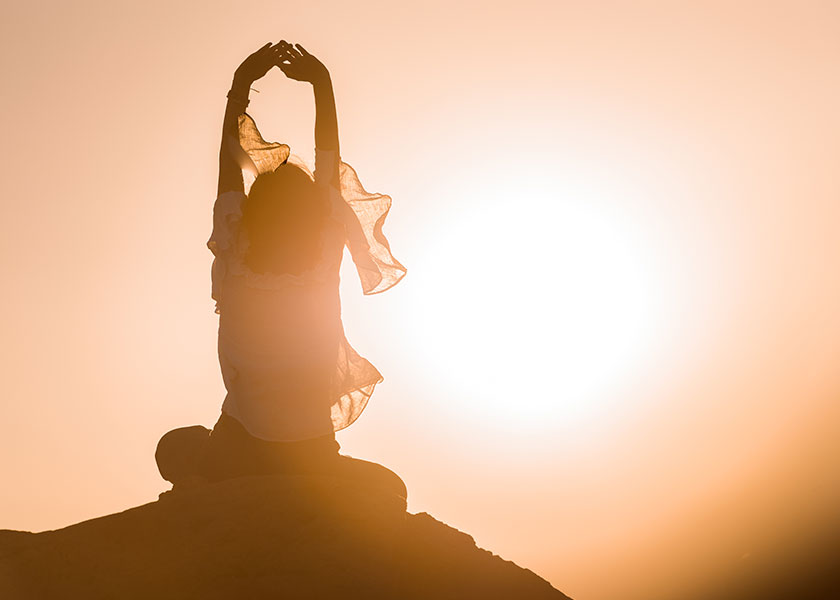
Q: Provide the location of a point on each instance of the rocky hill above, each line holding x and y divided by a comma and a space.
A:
261, 537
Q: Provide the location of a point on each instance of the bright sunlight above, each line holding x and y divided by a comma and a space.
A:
546, 309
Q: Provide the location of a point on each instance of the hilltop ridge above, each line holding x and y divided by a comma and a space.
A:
254, 537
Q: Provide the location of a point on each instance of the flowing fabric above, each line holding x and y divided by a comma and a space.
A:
288, 368
378, 269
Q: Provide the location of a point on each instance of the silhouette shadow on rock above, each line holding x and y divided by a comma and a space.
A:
275, 536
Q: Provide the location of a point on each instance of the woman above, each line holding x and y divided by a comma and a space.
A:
292, 378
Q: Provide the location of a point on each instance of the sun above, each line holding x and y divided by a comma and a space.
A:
535, 303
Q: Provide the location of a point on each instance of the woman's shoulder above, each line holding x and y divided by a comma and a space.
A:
227, 212
229, 202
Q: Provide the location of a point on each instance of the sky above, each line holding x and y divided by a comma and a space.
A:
615, 359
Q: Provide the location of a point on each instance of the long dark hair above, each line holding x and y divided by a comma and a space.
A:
283, 217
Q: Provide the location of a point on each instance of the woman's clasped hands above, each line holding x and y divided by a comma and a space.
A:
295, 62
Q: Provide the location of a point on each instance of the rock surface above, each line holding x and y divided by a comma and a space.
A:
261, 537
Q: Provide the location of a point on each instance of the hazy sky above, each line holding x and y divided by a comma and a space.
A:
615, 358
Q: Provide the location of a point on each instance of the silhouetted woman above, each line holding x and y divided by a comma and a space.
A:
278, 237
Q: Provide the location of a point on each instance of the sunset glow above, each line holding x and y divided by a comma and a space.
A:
615, 356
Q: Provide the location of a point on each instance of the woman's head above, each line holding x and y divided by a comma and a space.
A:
283, 216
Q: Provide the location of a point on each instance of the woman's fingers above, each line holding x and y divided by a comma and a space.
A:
297, 53
291, 51
283, 51
279, 47
259, 51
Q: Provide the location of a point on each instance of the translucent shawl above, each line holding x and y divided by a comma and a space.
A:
364, 214
248, 366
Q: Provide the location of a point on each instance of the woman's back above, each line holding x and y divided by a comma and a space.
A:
289, 370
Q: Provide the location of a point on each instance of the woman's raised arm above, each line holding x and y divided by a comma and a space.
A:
251, 69
300, 65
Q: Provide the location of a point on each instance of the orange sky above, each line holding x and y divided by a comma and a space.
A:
617, 345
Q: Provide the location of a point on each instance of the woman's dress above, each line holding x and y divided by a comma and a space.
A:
289, 371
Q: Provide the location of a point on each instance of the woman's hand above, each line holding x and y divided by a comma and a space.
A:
299, 65
259, 63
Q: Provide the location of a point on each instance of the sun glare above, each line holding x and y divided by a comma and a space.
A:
538, 302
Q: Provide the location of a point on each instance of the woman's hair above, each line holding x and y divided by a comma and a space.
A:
283, 216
